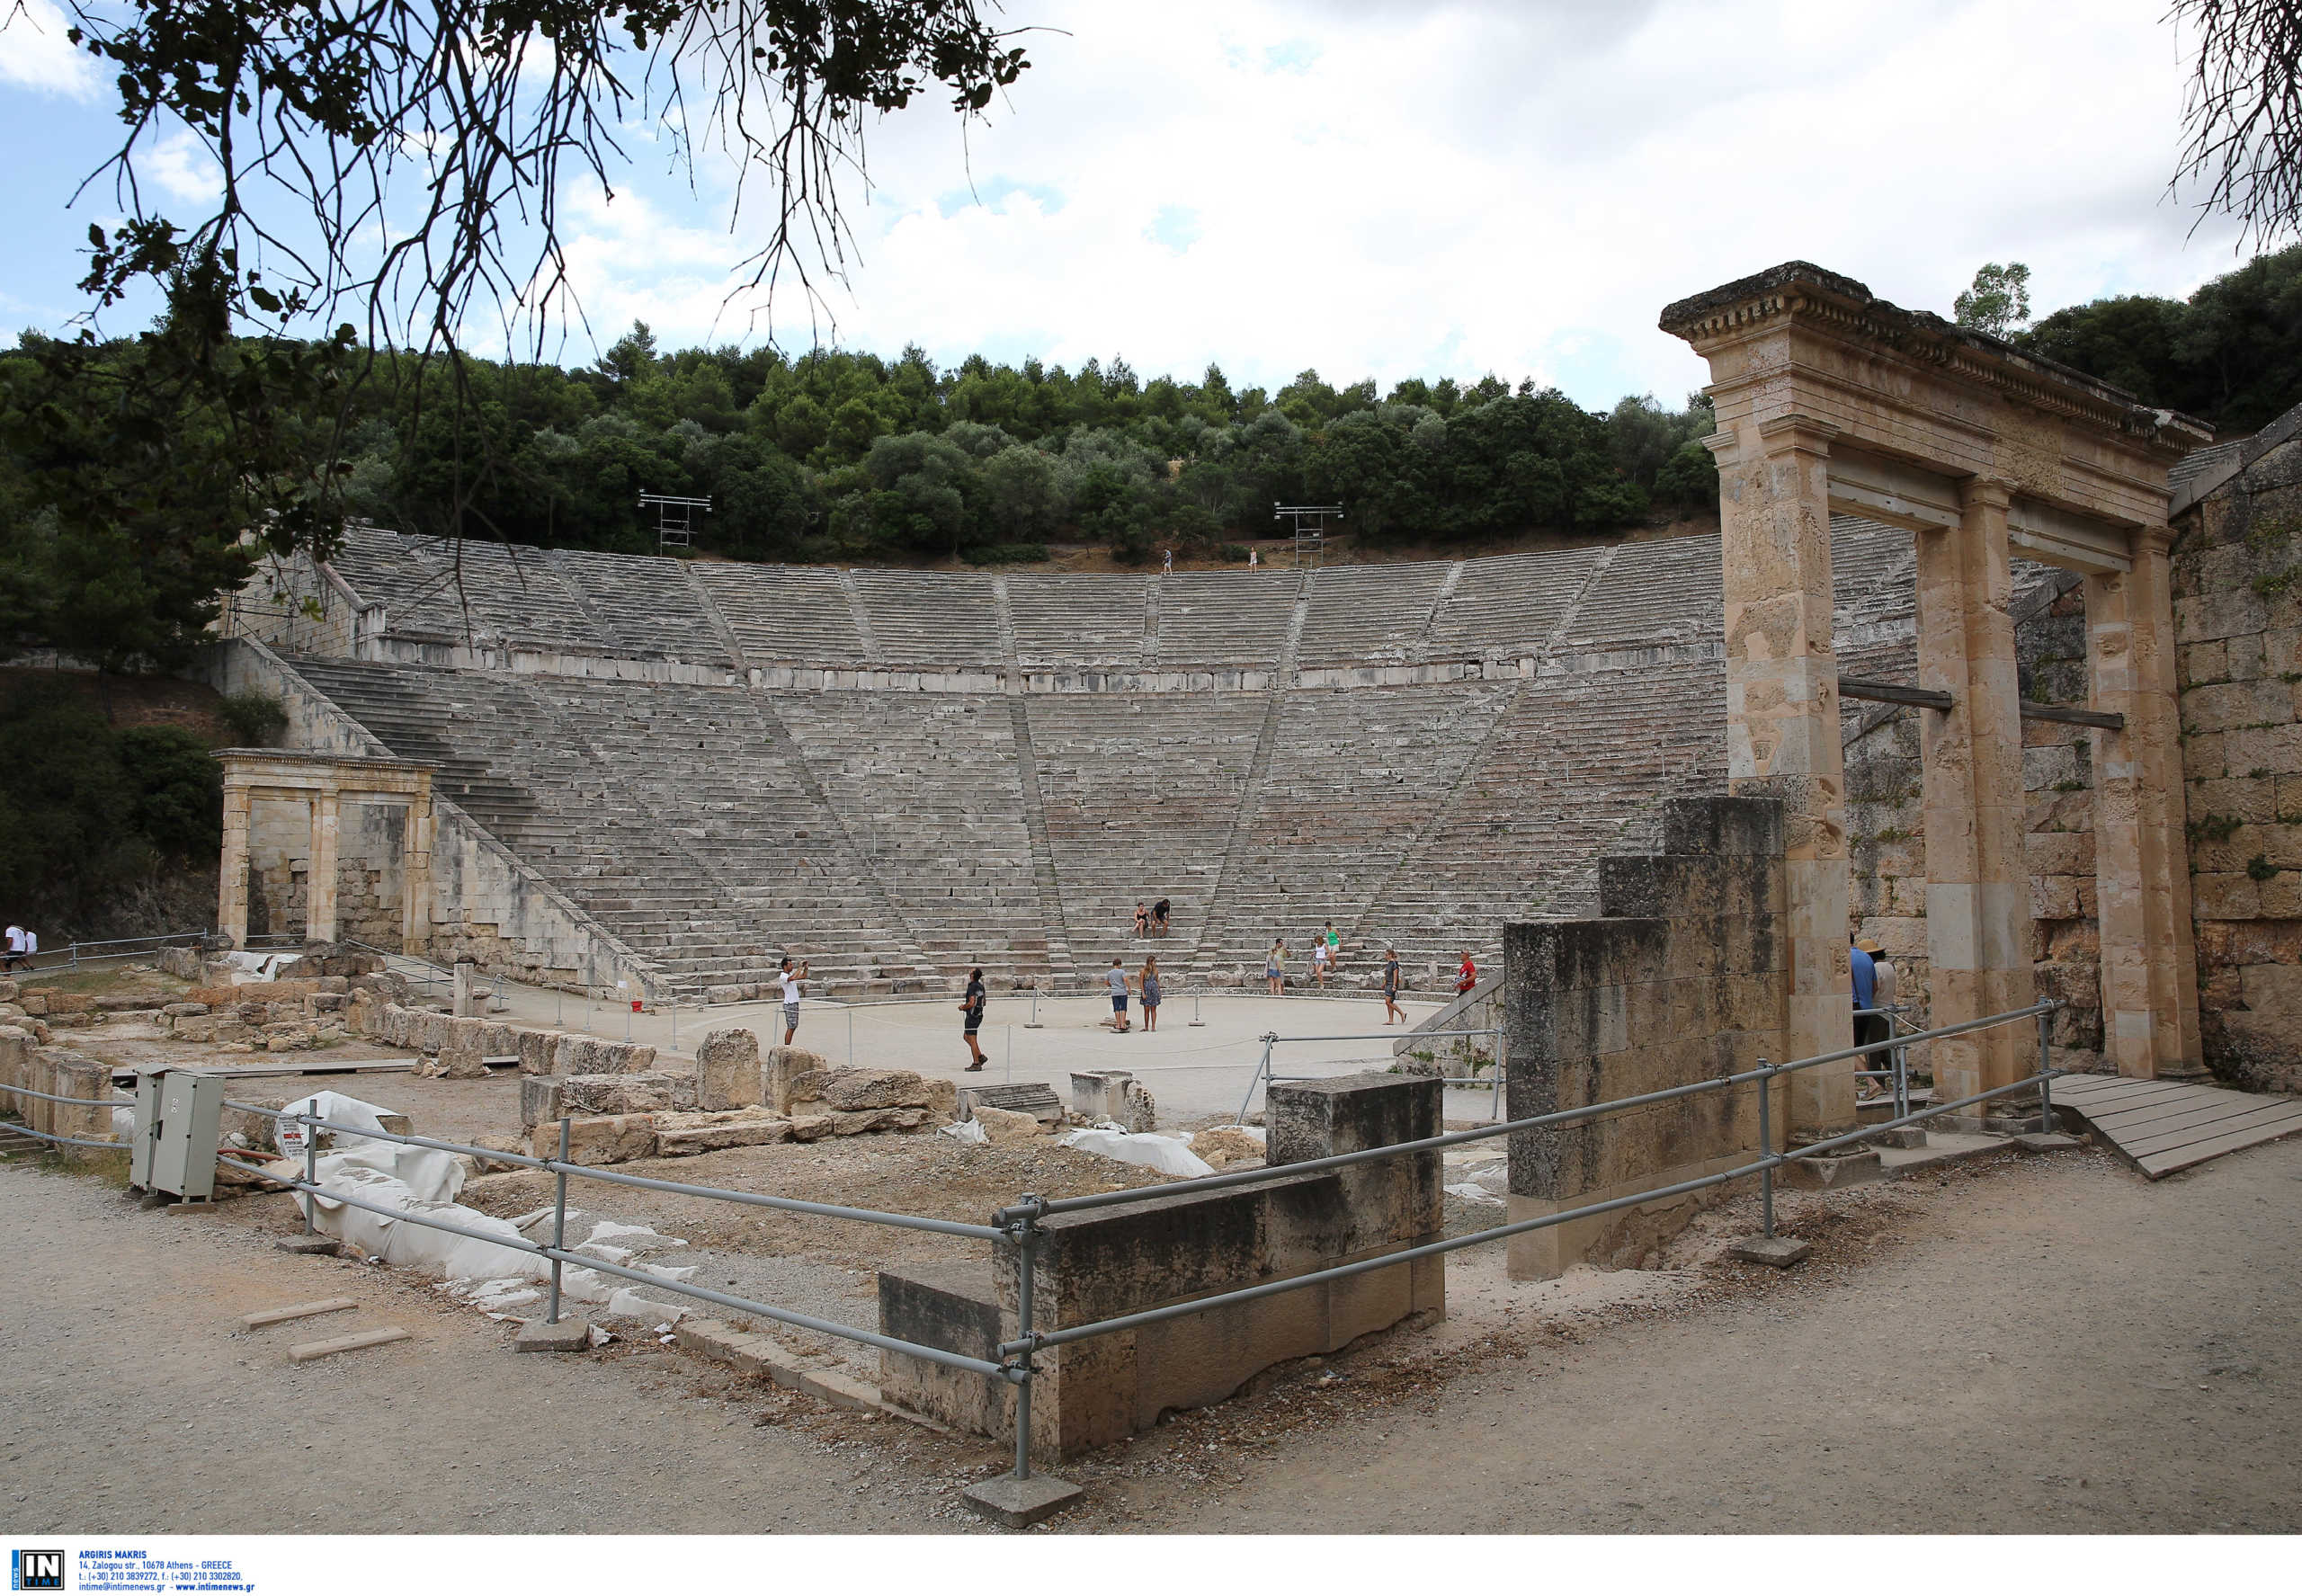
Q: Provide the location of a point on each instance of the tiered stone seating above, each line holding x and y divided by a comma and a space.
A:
931, 618
1354, 775
1650, 594
1065, 621
889, 835
785, 614
1511, 603
1575, 760
1369, 615
1139, 792
927, 787
1224, 617
645, 605
674, 815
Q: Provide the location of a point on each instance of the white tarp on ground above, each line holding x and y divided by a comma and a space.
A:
1165, 1153
247, 967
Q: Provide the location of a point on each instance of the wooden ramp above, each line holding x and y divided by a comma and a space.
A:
2164, 1125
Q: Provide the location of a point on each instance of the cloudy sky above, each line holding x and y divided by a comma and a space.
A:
1373, 187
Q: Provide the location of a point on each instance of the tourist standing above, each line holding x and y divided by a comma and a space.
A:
1274, 967
1391, 1010
1150, 987
1465, 974
1868, 1028
1115, 978
971, 1008
793, 984
1319, 960
14, 956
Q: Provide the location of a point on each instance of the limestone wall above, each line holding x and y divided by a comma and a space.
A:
485, 904
2237, 566
1105, 1262
1684, 977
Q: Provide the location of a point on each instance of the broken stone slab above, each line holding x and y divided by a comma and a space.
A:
2047, 1141
1006, 1125
301, 1310
872, 1120
852, 1091
1832, 1173
811, 1127
679, 1135
535, 1051
545, 1098
1776, 1251
728, 1074
1035, 1098
358, 1340
607, 1138
571, 1335
1020, 1503
309, 1246
1905, 1138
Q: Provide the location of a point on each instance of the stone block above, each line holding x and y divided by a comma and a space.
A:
1776, 1251
852, 1090
678, 1136
784, 1067
544, 1098
1829, 1173
611, 1138
856, 1122
728, 1071
461, 1050
1020, 1503
811, 1127
1003, 1125
535, 1051
1095, 1093
571, 1335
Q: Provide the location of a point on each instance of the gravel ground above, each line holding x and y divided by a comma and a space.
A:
2010, 1345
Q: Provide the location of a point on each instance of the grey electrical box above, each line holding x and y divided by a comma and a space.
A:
178, 1115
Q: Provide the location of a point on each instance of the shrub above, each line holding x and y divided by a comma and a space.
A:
1007, 554
256, 718
2259, 868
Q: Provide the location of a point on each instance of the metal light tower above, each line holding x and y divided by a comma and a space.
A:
1310, 522
674, 518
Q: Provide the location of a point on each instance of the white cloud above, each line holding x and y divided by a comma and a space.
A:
1397, 190
34, 53
181, 164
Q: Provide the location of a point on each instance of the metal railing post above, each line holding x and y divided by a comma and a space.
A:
1766, 1145
2045, 1073
1195, 1020
1262, 1070
851, 1036
558, 1008
1898, 1060
558, 1221
311, 1174
1026, 1233
675, 1022
1497, 1113
1033, 1022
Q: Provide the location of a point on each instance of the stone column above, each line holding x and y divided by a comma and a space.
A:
320, 885
1783, 732
1977, 886
2141, 867
415, 869
232, 866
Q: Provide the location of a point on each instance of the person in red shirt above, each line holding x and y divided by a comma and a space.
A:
1466, 977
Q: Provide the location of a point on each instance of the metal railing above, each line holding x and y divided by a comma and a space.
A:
73, 955
1017, 1224
1271, 1039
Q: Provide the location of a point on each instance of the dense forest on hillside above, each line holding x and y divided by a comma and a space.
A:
2230, 354
841, 455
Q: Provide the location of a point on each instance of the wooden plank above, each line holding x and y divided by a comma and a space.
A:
301, 1310
1873, 692
2147, 1125
2167, 1141
2108, 1099
2160, 1165
2070, 715
2089, 1088
305, 1352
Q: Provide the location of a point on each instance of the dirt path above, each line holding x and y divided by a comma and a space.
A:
2041, 1346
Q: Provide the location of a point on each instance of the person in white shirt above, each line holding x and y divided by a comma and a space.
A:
15, 954
32, 946
790, 980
